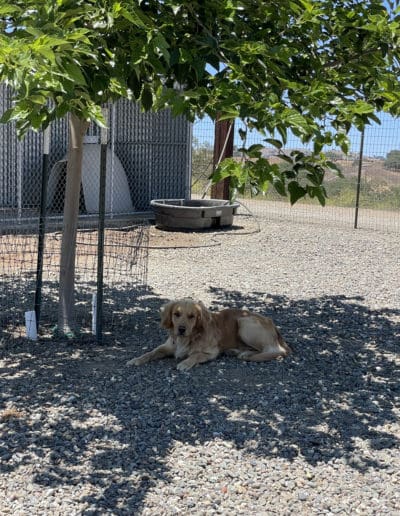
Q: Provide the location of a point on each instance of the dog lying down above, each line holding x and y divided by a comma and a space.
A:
198, 335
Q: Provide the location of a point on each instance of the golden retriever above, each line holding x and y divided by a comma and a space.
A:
198, 335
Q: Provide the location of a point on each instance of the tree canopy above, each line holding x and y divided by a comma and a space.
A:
311, 68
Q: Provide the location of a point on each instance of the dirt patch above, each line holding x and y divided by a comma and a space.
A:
166, 239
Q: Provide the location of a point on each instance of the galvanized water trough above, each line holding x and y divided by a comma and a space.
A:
193, 213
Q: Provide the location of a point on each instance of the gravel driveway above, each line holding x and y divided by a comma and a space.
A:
316, 433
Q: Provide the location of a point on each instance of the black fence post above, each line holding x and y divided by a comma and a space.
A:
42, 225
360, 160
101, 226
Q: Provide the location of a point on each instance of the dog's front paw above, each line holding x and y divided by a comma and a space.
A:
134, 361
185, 365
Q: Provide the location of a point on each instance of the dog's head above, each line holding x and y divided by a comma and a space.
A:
185, 317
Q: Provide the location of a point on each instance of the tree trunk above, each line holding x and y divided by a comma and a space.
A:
66, 312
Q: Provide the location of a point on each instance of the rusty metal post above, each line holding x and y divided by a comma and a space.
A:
223, 148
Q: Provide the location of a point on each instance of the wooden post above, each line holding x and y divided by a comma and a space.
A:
223, 148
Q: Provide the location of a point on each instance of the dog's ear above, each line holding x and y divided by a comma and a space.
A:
203, 316
166, 315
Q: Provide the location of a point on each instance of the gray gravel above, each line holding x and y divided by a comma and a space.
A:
316, 433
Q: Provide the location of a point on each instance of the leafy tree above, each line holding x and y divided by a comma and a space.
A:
392, 160
322, 67
312, 67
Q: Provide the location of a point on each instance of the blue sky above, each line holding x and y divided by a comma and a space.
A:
378, 140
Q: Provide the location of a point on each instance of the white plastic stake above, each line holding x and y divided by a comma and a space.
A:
104, 130
46, 141
94, 311
30, 325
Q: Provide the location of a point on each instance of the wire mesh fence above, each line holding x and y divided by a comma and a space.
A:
379, 202
148, 157
125, 277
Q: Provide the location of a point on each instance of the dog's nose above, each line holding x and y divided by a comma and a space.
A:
181, 330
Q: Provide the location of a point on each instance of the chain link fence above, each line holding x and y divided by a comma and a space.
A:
148, 157
379, 201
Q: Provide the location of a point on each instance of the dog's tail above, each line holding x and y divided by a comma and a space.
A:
282, 342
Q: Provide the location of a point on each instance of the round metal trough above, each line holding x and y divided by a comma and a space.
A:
193, 213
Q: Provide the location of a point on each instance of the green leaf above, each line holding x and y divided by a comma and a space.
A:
74, 73
283, 133
318, 145
229, 114
62, 109
38, 99
279, 185
176, 8
276, 143
160, 45
9, 10
146, 97
46, 52
295, 120
342, 140
228, 168
319, 192
361, 107
178, 106
135, 84
254, 151
7, 116
296, 192
136, 17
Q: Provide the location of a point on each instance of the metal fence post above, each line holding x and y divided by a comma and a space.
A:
42, 224
101, 225
360, 160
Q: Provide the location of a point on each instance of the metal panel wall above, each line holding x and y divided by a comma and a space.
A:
21, 160
8, 155
154, 149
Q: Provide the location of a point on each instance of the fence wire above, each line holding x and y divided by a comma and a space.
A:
125, 277
379, 206
148, 157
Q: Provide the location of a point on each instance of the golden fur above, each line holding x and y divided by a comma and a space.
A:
197, 335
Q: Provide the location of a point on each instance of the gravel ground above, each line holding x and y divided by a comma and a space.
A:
316, 433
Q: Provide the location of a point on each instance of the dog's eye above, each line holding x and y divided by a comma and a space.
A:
177, 314
190, 316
